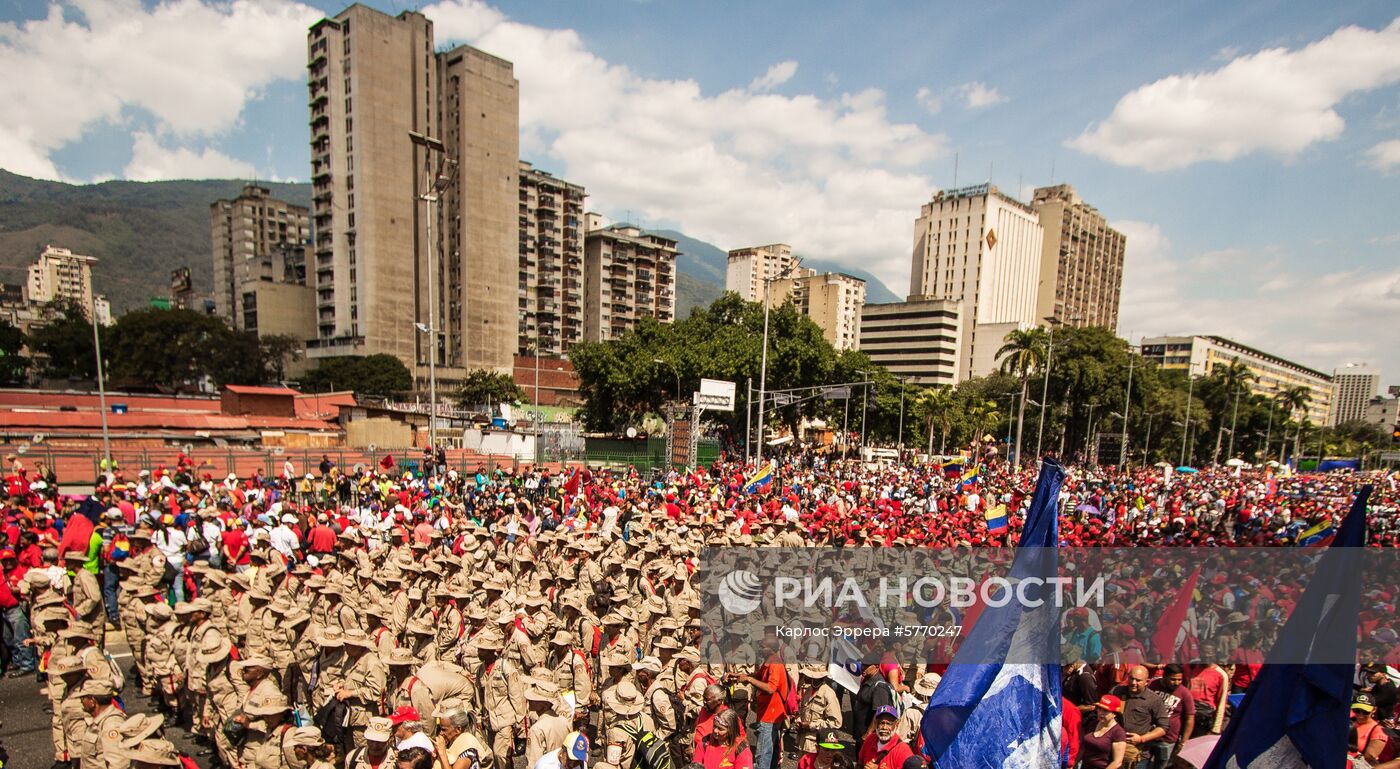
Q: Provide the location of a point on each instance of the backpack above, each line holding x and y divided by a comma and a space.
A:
652, 752
119, 548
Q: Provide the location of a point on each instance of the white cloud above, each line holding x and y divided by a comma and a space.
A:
1385, 156
1309, 313
834, 176
1278, 100
929, 100
977, 95
191, 65
152, 162
775, 76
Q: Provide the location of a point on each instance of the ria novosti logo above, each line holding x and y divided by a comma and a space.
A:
740, 592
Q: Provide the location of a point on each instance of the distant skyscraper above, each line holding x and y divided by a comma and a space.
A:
1353, 387
255, 237
372, 79
628, 275
748, 267
551, 263
1081, 265
982, 248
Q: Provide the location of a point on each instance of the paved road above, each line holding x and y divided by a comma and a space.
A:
24, 715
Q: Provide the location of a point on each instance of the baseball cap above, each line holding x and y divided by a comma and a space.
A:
885, 711
1110, 703
576, 744
1364, 702
405, 713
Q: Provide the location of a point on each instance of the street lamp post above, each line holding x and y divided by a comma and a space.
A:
763, 365
671, 366
1052, 322
900, 442
434, 185
1186, 426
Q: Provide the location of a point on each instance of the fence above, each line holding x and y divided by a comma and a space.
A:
76, 468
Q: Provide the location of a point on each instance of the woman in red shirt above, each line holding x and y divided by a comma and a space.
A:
724, 747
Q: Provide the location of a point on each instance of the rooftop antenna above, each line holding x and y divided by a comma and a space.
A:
990, 167
955, 170
1052, 171
1020, 186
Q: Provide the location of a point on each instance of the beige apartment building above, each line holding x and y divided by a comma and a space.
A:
628, 275
981, 248
1201, 355
255, 238
59, 275
373, 79
550, 300
749, 267
832, 300
1081, 264
919, 340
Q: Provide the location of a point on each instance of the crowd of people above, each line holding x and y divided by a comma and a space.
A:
537, 618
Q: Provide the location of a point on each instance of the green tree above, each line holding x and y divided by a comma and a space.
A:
65, 345
14, 365
488, 388
935, 406
1233, 380
178, 349
1294, 402
1023, 353
277, 351
374, 375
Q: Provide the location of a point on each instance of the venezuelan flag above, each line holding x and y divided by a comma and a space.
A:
759, 480
972, 476
996, 519
1320, 535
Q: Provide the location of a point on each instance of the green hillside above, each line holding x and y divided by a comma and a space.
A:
139, 231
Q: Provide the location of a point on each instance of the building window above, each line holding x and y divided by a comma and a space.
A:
347, 104
349, 125
349, 163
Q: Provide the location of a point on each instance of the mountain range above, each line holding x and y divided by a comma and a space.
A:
142, 231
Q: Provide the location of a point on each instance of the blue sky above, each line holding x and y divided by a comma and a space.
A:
1251, 151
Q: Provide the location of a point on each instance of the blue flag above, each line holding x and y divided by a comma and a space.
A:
1295, 715
998, 706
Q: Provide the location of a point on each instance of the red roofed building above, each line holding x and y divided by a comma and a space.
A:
241, 400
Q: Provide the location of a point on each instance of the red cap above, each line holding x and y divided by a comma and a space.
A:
7, 553
405, 713
1107, 702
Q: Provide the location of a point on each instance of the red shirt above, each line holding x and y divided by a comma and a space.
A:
1070, 725
890, 758
321, 539
720, 757
772, 707
236, 545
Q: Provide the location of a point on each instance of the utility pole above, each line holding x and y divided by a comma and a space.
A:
1127, 402
1186, 428
900, 442
763, 366
435, 185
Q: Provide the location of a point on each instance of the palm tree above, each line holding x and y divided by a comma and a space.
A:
935, 405
1233, 378
1294, 400
980, 413
1022, 354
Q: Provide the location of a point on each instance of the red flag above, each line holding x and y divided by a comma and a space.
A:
571, 485
1169, 626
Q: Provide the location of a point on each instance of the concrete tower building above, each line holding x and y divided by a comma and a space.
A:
1353, 387
628, 275
1081, 264
748, 267
372, 79
982, 248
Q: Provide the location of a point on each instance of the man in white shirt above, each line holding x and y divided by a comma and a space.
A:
284, 540
170, 541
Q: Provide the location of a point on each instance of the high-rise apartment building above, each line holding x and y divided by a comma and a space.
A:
1201, 355
749, 267
551, 263
832, 300
373, 79
919, 339
1081, 264
1353, 387
982, 248
255, 237
628, 274
59, 275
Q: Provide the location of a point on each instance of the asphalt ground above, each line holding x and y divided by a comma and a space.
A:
25, 715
